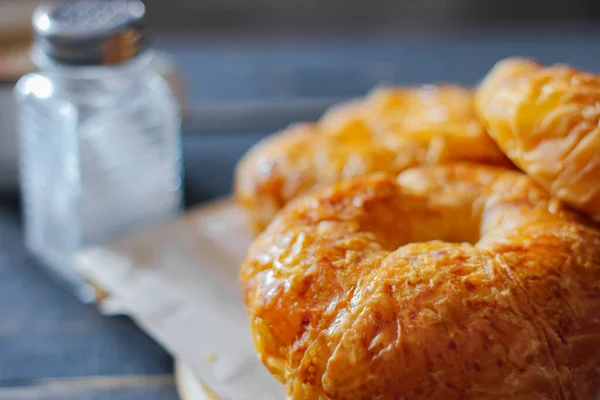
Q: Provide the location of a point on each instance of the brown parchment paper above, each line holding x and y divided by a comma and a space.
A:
179, 282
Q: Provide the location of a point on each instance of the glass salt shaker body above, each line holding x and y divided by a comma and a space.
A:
100, 139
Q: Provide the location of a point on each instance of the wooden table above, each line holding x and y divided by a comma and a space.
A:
53, 347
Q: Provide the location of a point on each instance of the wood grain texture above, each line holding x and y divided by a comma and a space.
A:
111, 387
47, 335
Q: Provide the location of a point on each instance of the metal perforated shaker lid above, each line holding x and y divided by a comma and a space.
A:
89, 32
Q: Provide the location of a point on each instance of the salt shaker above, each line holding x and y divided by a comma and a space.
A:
100, 148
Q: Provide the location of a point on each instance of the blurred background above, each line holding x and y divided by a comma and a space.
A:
243, 70
254, 66
314, 16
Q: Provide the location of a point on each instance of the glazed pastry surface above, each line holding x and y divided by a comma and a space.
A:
446, 282
546, 120
389, 130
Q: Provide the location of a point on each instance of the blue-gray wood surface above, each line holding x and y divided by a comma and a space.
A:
53, 347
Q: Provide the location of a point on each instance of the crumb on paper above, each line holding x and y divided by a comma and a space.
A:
211, 357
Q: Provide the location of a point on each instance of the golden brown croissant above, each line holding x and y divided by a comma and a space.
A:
547, 121
392, 129
449, 282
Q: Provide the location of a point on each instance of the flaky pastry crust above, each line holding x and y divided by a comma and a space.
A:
547, 121
390, 130
447, 282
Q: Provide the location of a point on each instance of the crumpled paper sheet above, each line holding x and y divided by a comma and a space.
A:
179, 282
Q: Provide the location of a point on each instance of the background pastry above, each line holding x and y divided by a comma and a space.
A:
390, 130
